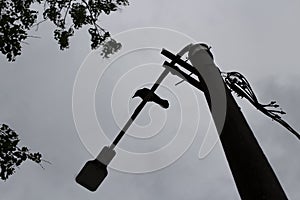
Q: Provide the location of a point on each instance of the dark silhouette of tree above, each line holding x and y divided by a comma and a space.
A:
18, 17
11, 155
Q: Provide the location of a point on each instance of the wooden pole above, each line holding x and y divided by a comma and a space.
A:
252, 173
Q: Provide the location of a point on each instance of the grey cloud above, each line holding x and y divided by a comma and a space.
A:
259, 39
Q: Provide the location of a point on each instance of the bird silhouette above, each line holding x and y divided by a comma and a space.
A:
147, 95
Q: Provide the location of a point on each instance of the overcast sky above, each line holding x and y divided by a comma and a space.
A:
260, 39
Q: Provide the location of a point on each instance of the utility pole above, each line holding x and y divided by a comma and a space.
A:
252, 173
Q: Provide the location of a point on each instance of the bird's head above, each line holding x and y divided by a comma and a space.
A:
141, 93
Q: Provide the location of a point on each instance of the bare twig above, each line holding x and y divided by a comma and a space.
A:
34, 36
38, 24
67, 10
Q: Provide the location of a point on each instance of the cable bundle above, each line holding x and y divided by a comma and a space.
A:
237, 83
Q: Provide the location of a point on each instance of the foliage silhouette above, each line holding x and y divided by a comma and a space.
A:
12, 156
18, 17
